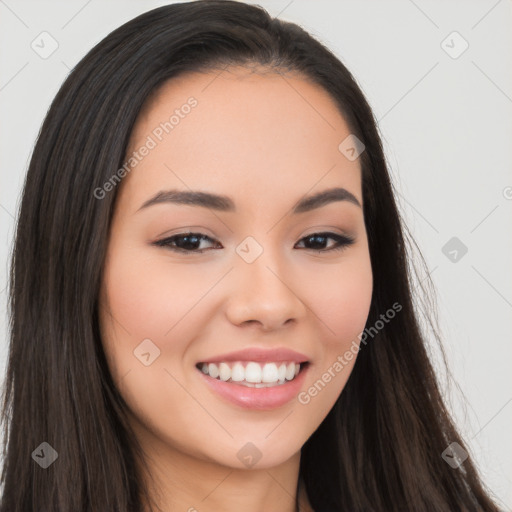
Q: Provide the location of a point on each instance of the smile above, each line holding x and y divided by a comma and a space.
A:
251, 373
251, 391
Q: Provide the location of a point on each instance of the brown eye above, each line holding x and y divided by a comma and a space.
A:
191, 242
319, 240
184, 242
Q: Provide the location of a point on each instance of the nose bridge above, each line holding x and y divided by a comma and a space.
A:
262, 289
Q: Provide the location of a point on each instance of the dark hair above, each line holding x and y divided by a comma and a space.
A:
380, 446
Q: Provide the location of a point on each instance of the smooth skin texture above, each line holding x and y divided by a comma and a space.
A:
266, 140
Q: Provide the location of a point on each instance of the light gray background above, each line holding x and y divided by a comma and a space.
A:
447, 129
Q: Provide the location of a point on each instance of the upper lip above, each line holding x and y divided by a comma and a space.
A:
260, 355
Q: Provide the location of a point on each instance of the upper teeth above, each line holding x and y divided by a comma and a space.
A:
256, 373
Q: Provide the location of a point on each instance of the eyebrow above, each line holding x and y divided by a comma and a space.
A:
226, 204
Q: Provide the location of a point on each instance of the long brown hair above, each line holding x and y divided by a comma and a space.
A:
379, 448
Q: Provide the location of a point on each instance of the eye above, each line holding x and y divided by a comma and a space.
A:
316, 239
191, 242
184, 242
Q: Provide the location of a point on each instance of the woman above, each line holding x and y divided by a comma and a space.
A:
211, 305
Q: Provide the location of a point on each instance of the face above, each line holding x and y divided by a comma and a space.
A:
285, 280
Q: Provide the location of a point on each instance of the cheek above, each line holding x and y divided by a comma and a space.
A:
341, 301
146, 298
149, 296
341, 297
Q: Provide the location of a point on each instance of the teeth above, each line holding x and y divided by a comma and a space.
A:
282, 372
270, 373
290, 371
224, 371
213, 370
253, 374
237, 373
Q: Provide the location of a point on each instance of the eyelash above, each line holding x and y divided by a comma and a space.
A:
342, 241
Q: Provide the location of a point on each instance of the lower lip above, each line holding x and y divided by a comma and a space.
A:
257, 398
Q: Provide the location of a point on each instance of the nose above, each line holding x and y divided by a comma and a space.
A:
264, 293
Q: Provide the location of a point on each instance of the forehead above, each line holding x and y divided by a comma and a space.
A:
235, 130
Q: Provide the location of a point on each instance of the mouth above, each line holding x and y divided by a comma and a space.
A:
253, 374
246, 386
255, 378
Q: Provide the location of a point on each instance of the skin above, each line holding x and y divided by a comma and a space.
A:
265, 140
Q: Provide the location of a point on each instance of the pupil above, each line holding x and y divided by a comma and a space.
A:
316, 237
188, 241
